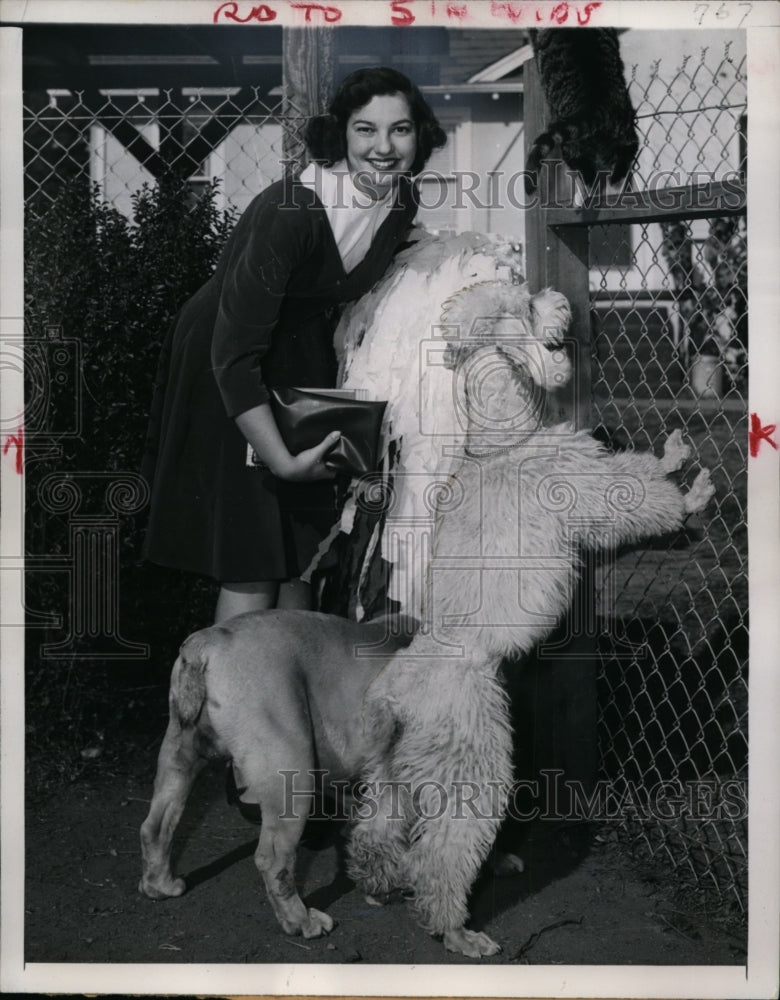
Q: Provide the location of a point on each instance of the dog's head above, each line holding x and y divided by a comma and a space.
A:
527, 329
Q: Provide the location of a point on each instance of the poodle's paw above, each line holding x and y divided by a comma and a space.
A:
507, 864
676, 451
378, 899
700, 493
473, 944
316, 923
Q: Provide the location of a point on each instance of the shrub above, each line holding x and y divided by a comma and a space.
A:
112, 286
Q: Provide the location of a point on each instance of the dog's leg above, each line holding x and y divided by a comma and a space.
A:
275, 860
472, 760
178, 765
630, 494
676, 451
443, 863
377, 842
700, 493
283, 823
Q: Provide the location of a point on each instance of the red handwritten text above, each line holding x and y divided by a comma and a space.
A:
330, 14
230, 12
16, 441
502, 8
759, 433
457, 10
400, 13
585, 16
561, 13
263, 13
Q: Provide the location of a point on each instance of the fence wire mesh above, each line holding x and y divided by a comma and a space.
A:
669, 350
123, 140
669, 339
691, 117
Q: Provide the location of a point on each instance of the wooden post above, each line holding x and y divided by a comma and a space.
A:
534, 119
558, 686
558, 257
308, 84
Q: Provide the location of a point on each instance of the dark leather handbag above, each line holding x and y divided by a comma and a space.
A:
305, 416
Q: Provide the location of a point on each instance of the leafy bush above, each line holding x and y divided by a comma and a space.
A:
114, 285
111, 285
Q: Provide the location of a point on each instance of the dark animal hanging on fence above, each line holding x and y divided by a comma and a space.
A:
593, 120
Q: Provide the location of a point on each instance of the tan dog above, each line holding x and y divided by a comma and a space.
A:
274, 691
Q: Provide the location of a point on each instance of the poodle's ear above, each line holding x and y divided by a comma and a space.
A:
551, 315
475, 308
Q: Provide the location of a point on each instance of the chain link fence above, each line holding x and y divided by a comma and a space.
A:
669, 350
121, 141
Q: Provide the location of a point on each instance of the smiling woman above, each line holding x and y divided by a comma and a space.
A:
326, 135
266, 319
381, 143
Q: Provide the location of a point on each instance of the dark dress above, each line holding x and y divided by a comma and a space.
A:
266, 317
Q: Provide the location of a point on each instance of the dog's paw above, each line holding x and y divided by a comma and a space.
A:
676, 451
507, 864
162, 888
378, 899
473, 944
316, 924
700, 493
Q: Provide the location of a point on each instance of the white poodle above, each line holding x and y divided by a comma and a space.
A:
522, 504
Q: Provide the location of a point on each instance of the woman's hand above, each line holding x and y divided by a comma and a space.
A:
259, 428
309, 465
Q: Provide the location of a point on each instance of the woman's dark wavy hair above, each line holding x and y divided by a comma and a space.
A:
326, 135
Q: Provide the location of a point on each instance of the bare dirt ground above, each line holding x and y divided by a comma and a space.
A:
581, 900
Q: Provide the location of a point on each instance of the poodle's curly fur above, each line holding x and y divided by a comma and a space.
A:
502, 574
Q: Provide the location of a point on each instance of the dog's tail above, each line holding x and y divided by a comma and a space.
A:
188, 681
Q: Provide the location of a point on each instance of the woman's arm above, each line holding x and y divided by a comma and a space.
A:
275, 238
259, 428
268, 242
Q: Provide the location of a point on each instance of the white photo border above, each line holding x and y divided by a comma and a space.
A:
759, 978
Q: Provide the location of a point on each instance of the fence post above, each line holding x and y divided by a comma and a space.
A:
561, 684
308, 76
557, 256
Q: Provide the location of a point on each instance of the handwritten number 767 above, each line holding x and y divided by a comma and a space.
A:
723, 10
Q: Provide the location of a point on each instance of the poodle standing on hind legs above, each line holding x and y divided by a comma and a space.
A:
522, 504
425, 725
